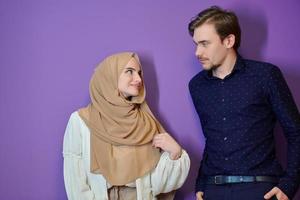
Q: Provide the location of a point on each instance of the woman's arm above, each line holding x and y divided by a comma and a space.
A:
170, 174
173, 166
74, 174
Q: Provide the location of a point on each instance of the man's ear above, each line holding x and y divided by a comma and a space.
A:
229, 41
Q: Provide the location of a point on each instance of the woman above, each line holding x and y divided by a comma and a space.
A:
115, 148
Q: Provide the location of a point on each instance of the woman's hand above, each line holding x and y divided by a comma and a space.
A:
168, 144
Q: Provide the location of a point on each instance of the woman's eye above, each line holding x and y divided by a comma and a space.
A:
129, 71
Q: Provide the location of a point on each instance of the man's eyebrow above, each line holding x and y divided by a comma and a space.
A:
201, 42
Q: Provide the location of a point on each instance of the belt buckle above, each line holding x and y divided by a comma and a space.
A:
218, 180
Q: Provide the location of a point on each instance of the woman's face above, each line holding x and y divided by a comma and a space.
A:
130, 80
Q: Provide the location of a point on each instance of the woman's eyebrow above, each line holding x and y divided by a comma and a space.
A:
130, 68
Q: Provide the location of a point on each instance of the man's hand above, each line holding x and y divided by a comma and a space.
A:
276, 192
168, 144
199, 195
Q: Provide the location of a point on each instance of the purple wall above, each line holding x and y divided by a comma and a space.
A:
48, 51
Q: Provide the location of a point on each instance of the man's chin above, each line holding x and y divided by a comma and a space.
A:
206, 68
210, 67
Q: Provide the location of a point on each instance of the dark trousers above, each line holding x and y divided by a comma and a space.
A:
240, 191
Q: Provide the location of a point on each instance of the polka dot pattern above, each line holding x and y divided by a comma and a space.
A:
238, 115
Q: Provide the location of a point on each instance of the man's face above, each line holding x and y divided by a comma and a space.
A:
210, 50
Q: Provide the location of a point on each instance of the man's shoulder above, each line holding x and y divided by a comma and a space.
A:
260, 66
197, 79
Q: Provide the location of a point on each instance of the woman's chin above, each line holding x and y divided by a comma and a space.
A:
134, 93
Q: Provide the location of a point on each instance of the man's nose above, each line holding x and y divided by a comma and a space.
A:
198, 52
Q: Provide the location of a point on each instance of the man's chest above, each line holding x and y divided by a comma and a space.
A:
230, 97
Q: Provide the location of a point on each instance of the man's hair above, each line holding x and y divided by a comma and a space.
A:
225, 22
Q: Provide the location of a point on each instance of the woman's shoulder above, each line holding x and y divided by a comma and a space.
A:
76, 124
76, 119
74, 116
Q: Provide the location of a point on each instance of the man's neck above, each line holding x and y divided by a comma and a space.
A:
226, 67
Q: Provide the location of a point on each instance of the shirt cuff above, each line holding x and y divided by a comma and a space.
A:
200, 186
288, 187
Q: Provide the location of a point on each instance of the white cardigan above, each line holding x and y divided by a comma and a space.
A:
81, 184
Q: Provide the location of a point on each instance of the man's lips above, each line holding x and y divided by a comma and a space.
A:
203, 60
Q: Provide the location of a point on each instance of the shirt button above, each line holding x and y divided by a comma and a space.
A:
225, 138
224, 118
226, 158
223, 100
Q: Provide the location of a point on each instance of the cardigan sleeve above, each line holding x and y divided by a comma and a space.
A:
75, 177
170, 174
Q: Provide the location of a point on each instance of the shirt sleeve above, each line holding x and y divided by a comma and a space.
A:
287, 113
75, 177
200, 185
170, 174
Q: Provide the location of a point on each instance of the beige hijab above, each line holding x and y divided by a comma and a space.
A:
121, 130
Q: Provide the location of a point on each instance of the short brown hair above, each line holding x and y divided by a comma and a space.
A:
225, 22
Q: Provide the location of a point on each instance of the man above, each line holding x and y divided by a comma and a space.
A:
238, 102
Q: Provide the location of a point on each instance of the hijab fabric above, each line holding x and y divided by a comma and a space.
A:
121, 130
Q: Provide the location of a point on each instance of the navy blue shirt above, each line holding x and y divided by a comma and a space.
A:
238, 115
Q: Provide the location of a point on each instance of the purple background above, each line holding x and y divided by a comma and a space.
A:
48, 50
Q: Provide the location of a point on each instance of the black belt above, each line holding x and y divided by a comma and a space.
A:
220, 179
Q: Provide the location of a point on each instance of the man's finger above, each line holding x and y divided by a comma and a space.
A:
271, 193
199, 195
